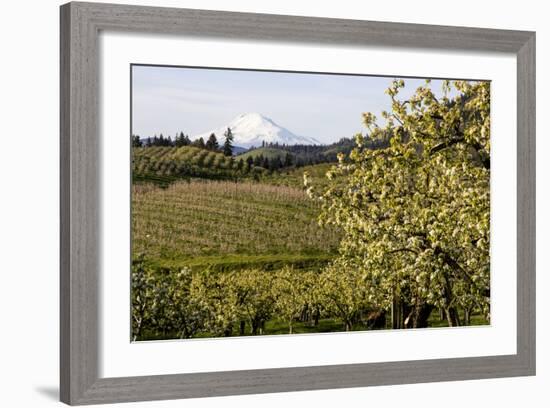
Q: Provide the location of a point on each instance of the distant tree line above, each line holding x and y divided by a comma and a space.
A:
182, 139
290, 155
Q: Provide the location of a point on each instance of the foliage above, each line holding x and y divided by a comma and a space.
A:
212, 143
136, 141
228, 143
182, 140
226, 246
289, 290
284, 156
184, 162
343, 293
415, 215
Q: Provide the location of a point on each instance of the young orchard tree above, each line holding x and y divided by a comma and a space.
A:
258, 160
249, 162
215, 295
184, 312
141, 298
415, 214
343, 293
288, 290
255, 301
240, 165
228, 144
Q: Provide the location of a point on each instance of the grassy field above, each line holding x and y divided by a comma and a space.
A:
228, 225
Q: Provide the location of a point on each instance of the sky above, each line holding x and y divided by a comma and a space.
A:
195, 100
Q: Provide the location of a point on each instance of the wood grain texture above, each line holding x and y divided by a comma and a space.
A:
526, 201
79, 196
80, 235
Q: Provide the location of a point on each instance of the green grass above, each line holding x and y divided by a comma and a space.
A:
273, 327
229, 262
475, 320
326, 325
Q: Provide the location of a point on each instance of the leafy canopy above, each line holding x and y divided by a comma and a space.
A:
415, 214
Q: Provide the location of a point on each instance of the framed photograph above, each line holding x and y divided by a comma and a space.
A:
261, 203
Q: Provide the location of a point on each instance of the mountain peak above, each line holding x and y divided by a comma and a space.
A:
251, 115
252, 128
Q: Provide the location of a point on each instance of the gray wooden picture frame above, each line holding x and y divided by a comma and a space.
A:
80, 191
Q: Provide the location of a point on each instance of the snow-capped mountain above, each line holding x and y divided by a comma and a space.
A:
251, 129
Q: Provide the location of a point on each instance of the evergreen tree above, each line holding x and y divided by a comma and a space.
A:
212, 143
136, 141
249, 162
228, 144
179, 141
199, 143
259, 160
182, 140
288, 160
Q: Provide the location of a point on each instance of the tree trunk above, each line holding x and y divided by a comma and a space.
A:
242, 327
377, 320
396, 313
256, 323
421, 315
452, 317
467, 319
348, 325
137, 331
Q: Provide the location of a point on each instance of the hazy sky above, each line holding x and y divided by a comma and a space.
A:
326, 107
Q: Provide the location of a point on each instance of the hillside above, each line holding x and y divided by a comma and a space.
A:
228, 225
269, 152
294, 177
162, 164
301, 155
